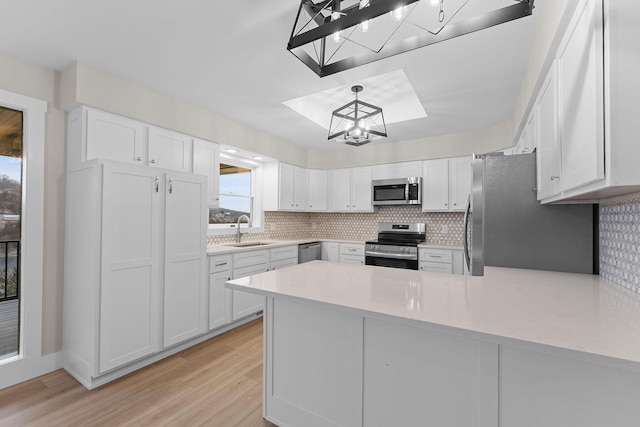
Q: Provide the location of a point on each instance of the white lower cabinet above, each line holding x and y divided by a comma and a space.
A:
352, 253
185, 268
247, 264
325, 367
118, 299
331, 251
448, 261
255, 262
414, 376
220, 269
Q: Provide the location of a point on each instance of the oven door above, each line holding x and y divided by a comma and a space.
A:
391, 260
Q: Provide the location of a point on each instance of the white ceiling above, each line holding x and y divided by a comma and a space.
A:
230, 57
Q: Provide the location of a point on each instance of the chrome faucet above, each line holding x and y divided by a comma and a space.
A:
238, 233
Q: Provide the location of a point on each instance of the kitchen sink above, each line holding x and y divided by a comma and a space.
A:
247, 245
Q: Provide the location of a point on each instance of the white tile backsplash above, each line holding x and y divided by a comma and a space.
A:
353, 226
620, 242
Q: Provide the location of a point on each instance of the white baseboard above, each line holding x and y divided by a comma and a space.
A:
17, 371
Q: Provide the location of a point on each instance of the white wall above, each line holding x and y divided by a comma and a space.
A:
27, 79
82, 84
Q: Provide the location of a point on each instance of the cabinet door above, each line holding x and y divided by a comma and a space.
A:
435, 196
331, 251
459, 182
581, 98
219, 299
300, 189
529, 134
206, 161
341, 190
185, 257
317, 193
361, 198
113, 137
287, 187
169, 150
129, 292
244, 303
548, 153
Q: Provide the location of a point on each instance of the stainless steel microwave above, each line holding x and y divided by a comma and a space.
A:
404, 191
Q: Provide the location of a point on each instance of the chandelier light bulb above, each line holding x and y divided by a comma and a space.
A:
364, 27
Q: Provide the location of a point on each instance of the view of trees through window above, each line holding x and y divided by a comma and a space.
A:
10, 215
235, 195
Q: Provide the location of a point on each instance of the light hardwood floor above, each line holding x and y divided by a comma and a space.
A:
215, 383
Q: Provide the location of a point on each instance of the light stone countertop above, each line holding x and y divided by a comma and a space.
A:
581, 316
223, 249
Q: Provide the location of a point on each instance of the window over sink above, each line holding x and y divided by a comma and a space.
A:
238, 195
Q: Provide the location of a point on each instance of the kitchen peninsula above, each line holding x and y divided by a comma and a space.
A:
357, 345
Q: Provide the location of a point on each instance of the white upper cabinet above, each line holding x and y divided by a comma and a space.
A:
586, 106
446, 184
341, 190
581, 97
351, 190
115, 138
435, 181
206, 161
285, 187
459, 182
95, 134
169, 150
361, 192
317, 196
548, 152
396, 170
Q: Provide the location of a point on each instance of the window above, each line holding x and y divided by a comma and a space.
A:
10, 209
29, 361
236, 196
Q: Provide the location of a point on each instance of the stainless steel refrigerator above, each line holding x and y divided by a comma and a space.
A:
506, 226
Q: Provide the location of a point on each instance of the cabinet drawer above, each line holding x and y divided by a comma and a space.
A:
435, 255
250, 271
436, 267
352, 259
285, 252
352, 249
247, 259
277, 265
219, 263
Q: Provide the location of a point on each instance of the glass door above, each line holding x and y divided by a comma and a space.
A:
11, 143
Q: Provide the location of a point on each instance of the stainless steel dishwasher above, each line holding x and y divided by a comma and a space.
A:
309, 252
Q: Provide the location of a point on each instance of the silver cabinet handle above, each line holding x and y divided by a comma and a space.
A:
153, 161
139, 158
435, 256
221, 264
170, 185
157, 184
554, 177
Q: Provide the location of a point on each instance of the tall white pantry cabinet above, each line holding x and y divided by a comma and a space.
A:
135, 262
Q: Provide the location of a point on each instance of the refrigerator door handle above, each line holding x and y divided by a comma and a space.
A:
467, 257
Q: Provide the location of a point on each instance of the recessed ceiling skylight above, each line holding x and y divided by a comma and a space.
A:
391, 91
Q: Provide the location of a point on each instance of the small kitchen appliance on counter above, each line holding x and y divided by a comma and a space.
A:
396, 246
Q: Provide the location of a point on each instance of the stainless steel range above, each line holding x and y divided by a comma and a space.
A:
397, 245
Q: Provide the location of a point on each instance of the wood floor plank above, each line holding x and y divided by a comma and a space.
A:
215, 383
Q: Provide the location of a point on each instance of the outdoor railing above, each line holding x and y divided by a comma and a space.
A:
9, 270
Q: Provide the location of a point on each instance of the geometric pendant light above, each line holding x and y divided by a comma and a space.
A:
357, 122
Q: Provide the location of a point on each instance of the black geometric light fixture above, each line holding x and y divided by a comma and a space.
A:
357, 122
330, 36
